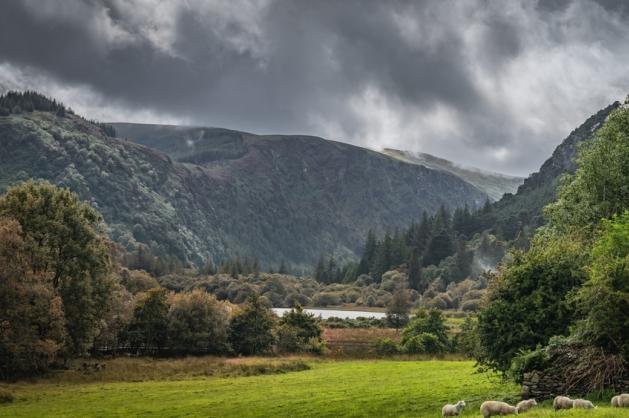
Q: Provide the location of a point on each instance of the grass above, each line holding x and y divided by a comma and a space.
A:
377, 388
126, 369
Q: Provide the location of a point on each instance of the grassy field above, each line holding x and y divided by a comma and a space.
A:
375, 388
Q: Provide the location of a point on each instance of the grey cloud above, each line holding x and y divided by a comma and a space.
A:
489, 83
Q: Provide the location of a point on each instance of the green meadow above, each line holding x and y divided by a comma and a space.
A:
375, 388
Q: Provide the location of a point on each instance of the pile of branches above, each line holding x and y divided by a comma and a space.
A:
585, 369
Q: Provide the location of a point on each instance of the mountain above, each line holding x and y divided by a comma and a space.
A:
524, 209
494, 184
219, 193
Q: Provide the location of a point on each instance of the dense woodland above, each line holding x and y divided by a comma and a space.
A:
569, 293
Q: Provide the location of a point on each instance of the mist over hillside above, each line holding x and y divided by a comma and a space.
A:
218, 193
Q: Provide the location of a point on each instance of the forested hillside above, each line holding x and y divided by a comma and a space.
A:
522, 211
280, 198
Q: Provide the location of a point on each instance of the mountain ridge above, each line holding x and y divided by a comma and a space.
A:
279, 199
493, 183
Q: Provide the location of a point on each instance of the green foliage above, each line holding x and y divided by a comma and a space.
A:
251, 329
426, 321
424, 343
600, 187
306, 323
136, 281
386, 347
32, 327
526, 361
532, 300
60, 239
299, 331
604, 298
148, 331
197, 323
468, 341
528, 304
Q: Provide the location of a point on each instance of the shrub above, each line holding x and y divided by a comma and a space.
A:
288, 340
251, 330
427, 321
197, 323
413, 345
467, 340
526, 361
386, 347
299, 331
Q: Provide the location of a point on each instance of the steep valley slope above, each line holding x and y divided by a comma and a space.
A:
278, 198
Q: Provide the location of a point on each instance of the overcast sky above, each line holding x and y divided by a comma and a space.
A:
494, 84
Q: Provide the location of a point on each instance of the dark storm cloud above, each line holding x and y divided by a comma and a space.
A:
490, 83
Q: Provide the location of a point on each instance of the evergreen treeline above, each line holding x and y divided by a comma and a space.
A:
15, 102
422, 244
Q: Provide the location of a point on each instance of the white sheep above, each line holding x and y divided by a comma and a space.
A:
621, 401
583, 404
450, 410
491, 408
562, 402
524, 406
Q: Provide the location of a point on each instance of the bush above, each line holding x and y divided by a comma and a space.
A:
251, 330
427, 322
413, 345
467, 340
386, 347
299, 332
197, 323
288, 340
424, 343
526, 361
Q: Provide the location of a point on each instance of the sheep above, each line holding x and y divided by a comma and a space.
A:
621, 401
450, 410
524, 406
562, 402
583, 404
490, 408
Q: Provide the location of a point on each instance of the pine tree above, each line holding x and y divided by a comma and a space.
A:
382, 261
440, 247
415, 280
369, 252
320, 270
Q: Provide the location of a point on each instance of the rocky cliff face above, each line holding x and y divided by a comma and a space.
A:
217, 193
526, 205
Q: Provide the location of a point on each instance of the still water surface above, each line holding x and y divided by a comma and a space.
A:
329, 313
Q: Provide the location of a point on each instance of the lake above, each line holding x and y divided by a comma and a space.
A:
329, 313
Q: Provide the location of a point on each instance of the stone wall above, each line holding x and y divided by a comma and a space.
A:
540, 385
